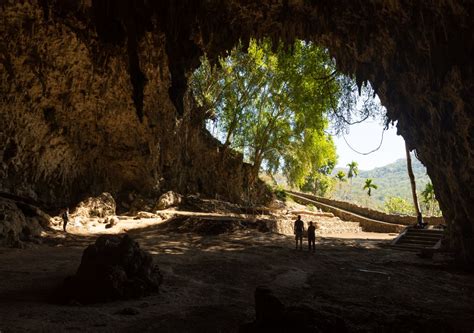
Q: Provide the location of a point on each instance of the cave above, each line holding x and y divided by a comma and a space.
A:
94, 92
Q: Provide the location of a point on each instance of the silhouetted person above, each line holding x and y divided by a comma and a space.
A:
65, 216
311, 237
298, 230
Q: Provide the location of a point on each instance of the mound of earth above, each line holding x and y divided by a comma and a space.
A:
113, 268
211, 226
197, 204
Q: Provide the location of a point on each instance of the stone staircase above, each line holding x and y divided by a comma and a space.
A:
336, 226
326, 224
367, 224
417, 239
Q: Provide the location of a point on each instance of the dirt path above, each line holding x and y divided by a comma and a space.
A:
209, 283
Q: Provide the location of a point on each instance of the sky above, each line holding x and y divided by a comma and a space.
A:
365, 137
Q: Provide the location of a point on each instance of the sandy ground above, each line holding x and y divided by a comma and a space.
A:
209, 283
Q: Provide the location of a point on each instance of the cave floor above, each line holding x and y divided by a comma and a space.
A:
209, 283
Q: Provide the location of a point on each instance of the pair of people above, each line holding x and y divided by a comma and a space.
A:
299, 229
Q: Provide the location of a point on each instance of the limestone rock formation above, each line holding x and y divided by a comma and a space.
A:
113, 268
100, 206
17, 225
94, 92
168, 199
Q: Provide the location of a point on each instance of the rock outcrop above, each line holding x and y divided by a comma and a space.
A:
100, 206
113, 268
168, 199
18, 225
94, 92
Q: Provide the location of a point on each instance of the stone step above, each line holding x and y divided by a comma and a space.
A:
416, 236
417, 241
406, 247
425, 232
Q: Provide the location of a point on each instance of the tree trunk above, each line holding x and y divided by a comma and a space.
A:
411, 175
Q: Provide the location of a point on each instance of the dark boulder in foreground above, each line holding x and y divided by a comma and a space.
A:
272, 316
113, 268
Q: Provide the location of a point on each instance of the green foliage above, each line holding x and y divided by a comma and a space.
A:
319, 184
428, 193
272, 105
430, 204
280, 193
397, 205
353, 169
341, 176
369, 185
392, 181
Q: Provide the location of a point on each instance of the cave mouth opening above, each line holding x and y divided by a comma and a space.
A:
265, 100
417, 56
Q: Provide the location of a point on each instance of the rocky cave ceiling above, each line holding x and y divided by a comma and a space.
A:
94, 91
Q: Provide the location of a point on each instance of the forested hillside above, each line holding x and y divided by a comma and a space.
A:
391, 180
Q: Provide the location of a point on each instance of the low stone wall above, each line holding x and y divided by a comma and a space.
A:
366, 223
371, 213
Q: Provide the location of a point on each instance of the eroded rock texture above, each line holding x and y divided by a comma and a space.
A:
93, 92
75, 123
19, 222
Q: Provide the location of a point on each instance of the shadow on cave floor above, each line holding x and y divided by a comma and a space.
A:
209, 283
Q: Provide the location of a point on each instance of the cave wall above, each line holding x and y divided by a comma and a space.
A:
136, 56
70, 126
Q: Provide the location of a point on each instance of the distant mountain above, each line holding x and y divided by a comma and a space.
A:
391, 179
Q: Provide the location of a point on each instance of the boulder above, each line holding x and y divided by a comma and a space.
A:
17, 226
112, 268
111, 221
145, 215
168, 199
100, 206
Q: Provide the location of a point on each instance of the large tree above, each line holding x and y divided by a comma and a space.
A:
272, 105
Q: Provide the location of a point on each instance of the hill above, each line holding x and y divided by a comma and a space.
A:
392, 181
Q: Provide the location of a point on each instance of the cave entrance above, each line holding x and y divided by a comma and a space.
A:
289, 112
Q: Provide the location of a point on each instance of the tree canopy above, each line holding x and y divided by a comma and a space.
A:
274, 104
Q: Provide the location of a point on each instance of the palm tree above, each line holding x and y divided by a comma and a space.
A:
369, 186
353, 170
411, 175
341, 176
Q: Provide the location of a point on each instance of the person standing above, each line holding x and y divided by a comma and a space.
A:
298, 229
65, 216
311, 237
